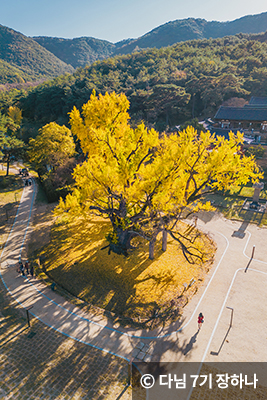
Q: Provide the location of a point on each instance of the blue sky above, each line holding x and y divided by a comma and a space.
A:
114, 20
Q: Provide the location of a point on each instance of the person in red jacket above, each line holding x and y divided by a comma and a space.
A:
200, 320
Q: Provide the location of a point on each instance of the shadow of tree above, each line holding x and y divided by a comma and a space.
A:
51, 365
75, 259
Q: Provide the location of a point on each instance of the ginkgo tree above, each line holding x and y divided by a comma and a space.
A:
143, 182
52, 146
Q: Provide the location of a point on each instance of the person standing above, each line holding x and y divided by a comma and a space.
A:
200, 320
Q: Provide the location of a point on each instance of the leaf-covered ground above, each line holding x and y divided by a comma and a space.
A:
132, 287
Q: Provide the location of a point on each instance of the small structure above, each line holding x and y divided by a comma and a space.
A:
258, 186
256, 204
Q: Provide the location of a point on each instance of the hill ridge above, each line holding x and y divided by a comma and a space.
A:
195, 28
25, 54
78, 54
24, 59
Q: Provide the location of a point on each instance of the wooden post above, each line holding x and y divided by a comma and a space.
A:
232, 315
28, 316
253, 251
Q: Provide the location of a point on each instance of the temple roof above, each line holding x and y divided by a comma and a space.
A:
258, 101
248, 113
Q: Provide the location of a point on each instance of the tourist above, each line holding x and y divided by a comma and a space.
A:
200, 320
27, 267
21, 268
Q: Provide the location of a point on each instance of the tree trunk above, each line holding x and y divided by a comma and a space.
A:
152, 248
7, 167
122, 243
164, 240
167, 118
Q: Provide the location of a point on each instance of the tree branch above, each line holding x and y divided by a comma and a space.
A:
185, 250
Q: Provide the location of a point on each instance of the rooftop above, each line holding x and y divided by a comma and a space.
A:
248, 113
258, 101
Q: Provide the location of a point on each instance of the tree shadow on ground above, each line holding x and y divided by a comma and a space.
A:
175, 344
51, 365
43, 219
10, 183
250, 216
112, 288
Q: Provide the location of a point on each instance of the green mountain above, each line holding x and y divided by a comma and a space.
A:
191, 28
24, 57
78, 52
165, 86
11, 74
83, 51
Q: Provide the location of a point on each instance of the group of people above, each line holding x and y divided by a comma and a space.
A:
26, 269
28, 182
25, 174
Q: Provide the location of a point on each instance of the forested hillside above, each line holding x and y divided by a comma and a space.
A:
261, 37
79, 51
165, 86
83, 51
24, 59
11, 74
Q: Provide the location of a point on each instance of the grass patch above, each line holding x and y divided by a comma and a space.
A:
231, 207
11, 188
133, 287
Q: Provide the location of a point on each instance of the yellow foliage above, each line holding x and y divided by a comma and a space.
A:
52, 146
134, 175
15, 113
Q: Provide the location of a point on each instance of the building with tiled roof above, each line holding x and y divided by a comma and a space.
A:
258, 101
251, 118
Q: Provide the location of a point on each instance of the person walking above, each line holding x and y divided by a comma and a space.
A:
18, 269
32, 271
26, 267
21, 268
200, 320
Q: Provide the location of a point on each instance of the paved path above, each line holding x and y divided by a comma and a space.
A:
39, 363
174, 343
